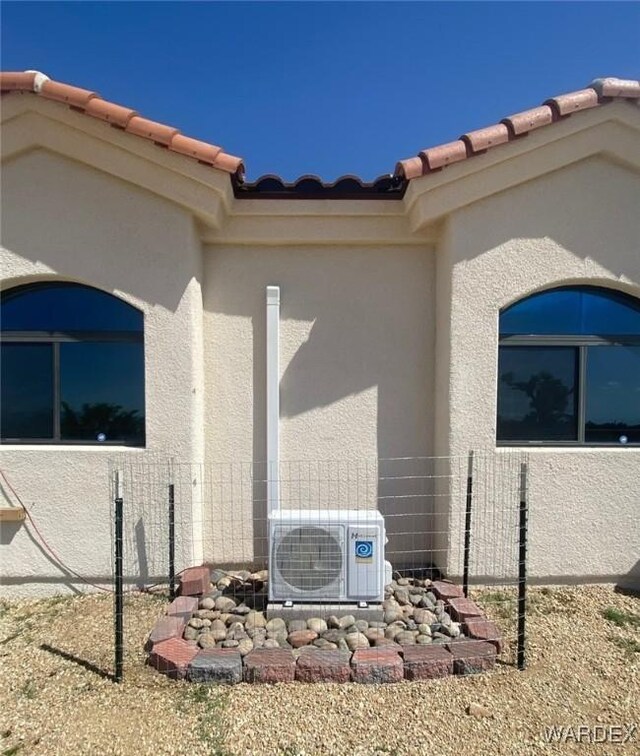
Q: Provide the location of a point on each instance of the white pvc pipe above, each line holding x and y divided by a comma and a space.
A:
273, 397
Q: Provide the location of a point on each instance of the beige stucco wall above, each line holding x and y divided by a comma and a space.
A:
388, 342
357, 340
579, 224
62, 219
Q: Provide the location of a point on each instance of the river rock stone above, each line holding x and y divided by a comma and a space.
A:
206, 640
347, 621
334, 635
190, 633
231, 643
225, 604
423, 617
233, 618
207, 603
295, 625
271, 643
218, 630
317, 624
237, 635
255, 619
362, 625
393, 615
393, 630
373, 633
424, 630
424, 640
256, 632
276, 625
300, 638
324, 644
206, 614
244, 646
333, 622
356, 640
195, 622
405, 638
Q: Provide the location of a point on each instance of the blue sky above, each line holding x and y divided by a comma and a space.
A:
326, 88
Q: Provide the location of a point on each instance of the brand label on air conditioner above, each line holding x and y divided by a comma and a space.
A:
363, 550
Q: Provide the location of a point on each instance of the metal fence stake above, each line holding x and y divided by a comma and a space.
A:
522, 568
118, 589
172, 542
467, 526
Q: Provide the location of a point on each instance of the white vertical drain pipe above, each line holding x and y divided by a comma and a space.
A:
273, 397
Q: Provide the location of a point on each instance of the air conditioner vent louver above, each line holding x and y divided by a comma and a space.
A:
309, 558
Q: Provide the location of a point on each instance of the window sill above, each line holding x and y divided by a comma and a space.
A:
568, 447
100, 448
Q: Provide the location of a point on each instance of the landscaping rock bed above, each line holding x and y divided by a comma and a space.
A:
217, 631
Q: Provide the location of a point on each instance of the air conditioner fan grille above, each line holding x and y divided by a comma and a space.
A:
309, 558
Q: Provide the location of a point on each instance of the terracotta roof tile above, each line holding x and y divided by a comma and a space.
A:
55, 90
528, 120
598, 93
574, 101
202, 151
612, 87
158, 132
482, 139
109, 111
93, 105
11, 81
444, 154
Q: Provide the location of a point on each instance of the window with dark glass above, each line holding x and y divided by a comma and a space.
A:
569, 368
72, 366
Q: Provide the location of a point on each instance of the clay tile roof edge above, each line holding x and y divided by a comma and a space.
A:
92, 105
598, 93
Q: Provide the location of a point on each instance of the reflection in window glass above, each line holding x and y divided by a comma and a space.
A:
613, 394
64, 307
587, 310
102, 391
537, 393
27, 391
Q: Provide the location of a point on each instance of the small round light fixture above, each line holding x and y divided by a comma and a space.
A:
623, 439
101, 436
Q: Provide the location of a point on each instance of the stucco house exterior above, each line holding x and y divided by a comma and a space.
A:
397, 339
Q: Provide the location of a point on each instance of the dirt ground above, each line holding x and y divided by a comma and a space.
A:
57, 696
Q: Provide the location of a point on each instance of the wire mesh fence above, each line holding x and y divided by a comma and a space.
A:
352, 554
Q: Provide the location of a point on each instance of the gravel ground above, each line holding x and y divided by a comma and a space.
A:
56, 696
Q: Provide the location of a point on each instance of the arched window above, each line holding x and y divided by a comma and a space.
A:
569, 368
72, 366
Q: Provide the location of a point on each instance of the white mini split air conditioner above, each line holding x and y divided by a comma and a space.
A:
326, 555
